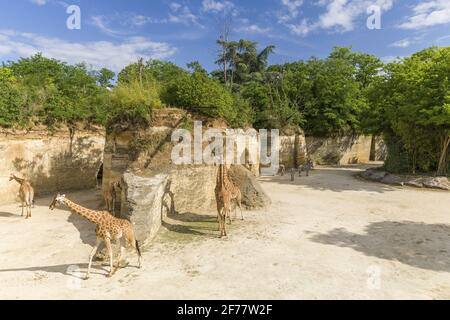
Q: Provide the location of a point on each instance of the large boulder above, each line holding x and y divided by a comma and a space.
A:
392, 179
414, 182
142, 203
437, 183
147, 198
374, 174
253, 196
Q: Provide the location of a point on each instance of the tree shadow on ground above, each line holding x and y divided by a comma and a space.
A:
191, 224
336, 179
65, 269
10, 215
416, 244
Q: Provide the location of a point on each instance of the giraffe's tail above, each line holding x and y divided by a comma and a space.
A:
137, 248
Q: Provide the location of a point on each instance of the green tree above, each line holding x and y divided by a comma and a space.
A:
11, 99
198, 92
415, 106
104, 77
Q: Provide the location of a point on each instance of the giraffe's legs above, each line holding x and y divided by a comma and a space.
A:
224, 222
109, 249
28, 209
91, 256
122, 249
23, 205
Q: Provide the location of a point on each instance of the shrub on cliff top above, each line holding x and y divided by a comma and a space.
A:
132, 103
199, 93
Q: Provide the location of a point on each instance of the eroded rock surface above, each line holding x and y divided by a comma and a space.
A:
375, 174
253, 197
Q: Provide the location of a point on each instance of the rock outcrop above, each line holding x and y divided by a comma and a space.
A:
253, 196
53, 161
339, 150
153, 185
375, 174
142, 203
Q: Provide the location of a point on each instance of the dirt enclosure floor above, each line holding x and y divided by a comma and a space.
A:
329, 236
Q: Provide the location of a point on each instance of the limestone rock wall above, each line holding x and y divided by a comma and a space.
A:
339, 150
53, 163
141, 160
293, 151
378, 149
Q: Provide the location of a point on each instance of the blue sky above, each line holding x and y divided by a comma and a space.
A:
116, 32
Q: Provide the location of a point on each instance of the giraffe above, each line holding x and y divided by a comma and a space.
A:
223, 199
281, 170
26, 194
235, 193
109, 228
110, 196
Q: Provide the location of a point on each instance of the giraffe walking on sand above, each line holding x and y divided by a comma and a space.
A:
26, 194
109, 228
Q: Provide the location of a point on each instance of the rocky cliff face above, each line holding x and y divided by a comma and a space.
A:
53, 162
153, 186
339, 150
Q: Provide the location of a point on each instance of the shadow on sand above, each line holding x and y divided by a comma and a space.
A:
337, 179
413, 243
65, 269
191, 224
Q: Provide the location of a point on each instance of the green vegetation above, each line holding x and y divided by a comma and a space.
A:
407, 101
411, 105
40, 90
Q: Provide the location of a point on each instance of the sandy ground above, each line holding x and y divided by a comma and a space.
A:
328, 236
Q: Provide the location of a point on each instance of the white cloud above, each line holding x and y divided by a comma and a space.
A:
182, 14
290, 10
102, 23
427, 14
39, 2
98, 53
253, 29
404, 43
178, 14
339, 15
300, 29
443, 39
216, 6
292, 5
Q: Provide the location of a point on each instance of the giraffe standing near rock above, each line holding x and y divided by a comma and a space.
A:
223, 199
110, 196
108, 229
235, 193
26, 194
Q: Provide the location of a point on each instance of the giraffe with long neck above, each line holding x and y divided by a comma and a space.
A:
223, 199
108, 229
235, 193
26, 194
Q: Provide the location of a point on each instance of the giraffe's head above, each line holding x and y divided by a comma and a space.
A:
12, 176
59, 199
